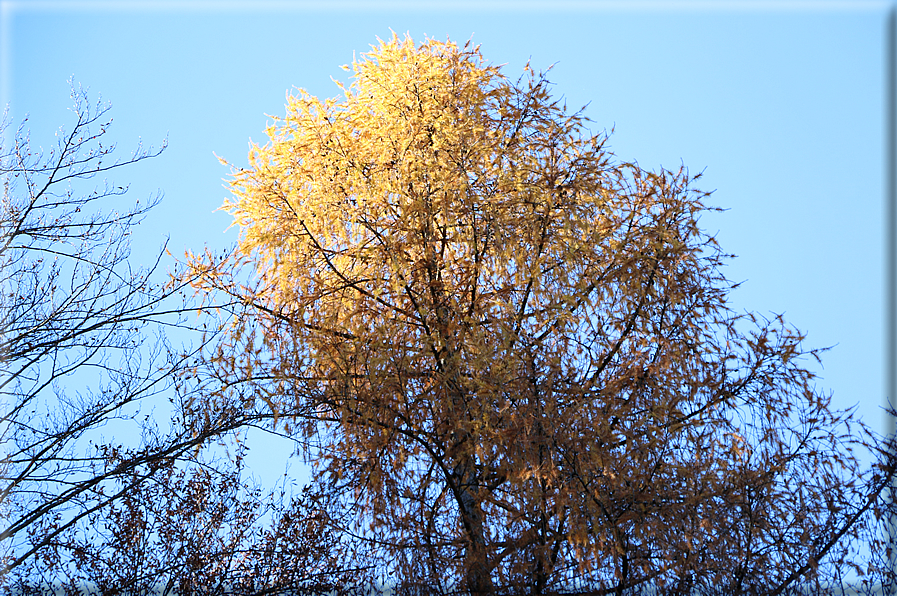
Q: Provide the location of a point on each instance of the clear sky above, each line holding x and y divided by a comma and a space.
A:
781, 104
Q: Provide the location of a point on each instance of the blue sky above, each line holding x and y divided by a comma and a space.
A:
780, 104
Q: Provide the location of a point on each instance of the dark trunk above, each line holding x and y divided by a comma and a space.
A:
478, 573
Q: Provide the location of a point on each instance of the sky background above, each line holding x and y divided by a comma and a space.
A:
781, 105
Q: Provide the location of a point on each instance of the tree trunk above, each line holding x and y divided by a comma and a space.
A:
477, 569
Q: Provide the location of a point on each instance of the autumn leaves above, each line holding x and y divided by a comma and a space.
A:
513, 348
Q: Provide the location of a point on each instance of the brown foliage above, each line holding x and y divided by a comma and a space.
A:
190, 530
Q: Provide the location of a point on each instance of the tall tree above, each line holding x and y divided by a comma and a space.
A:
515, 351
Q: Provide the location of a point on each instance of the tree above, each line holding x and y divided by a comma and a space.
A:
87, 514
76, 313
514, 353
68, 306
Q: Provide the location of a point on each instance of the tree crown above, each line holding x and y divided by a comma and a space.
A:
514, 349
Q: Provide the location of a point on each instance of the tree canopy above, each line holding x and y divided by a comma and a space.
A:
512, 352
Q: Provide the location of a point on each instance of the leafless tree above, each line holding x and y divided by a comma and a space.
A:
81, 341
84, 348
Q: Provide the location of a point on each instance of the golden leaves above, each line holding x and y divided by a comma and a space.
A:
486, 307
